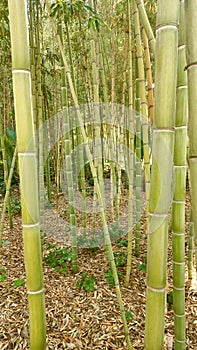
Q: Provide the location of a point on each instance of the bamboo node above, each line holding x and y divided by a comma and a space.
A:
36, 292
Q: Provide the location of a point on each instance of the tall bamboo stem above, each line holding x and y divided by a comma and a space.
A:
191, 49
27, 171
178, 205
162, 170
146, 24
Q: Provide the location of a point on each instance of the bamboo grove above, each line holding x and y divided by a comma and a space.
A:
101, 98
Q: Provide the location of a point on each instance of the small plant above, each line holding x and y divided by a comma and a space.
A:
110, 278
128, 315
120, 258
18, 283
89, 191
122, 242
169, 297
59, 258
3, 276
50, 246
6, 242
142, 267
87, 282
15, 206
91, 181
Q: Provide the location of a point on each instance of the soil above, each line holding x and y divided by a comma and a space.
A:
76, 318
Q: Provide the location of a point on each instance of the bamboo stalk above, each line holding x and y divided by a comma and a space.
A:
144, 109
69, 167
162, 170
130, 157
6, 175
191, 247
138, 170
28, 171
178, 204
145, 23
148, 77
191, 54
7, 194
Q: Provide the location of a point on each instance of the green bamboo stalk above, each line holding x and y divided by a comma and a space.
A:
178, 205
191, 50
148, 77
138, 171
69, 168
107, 239
80, 156
5, 170
27, 171
130, 158
191, 247
102, 71
97, 139
146, 24
144, 109
32, 62
40, 118
162, 167
7, 194
112, 130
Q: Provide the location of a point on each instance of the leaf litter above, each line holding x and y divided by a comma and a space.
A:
76, 318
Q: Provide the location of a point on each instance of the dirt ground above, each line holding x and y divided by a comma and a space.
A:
76, 318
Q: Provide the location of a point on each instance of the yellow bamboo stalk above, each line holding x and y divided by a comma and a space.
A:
162, 167
145, 23
130, 158
28, 171
191, 49
149, 77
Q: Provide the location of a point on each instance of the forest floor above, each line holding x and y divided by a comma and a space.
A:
77, 318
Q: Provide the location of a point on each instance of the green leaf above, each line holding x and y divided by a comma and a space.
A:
18, 283
110, 278
50, 246
170, 298
58, 258
11, 134
3, 276
128, 315
142, 267
64, 271
87, 282
6, 242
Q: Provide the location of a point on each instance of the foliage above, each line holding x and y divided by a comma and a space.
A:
122, 242
170, 299
2, 183
87, 282
120, 258
58, 258
151, 9
18, 283
76, 9
5, 242
3, 276
15, 206
110, 278
142, 267
128, 315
